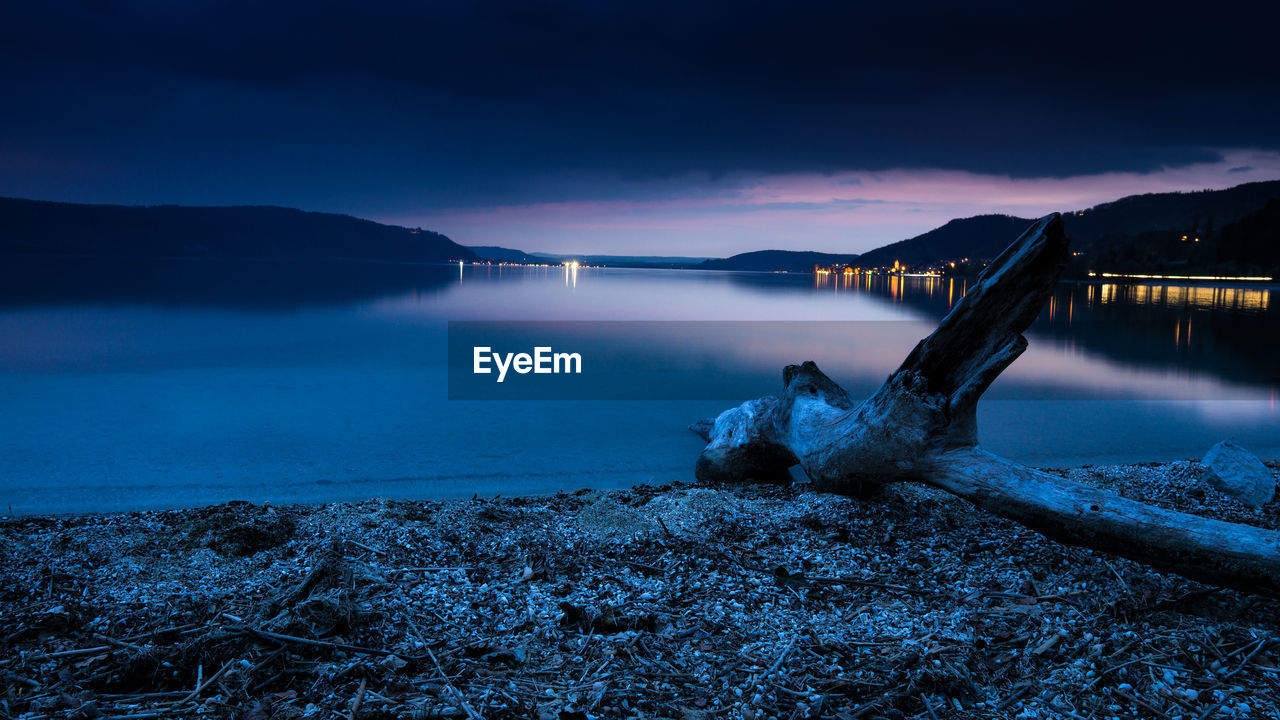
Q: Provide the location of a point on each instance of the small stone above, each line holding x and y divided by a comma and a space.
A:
1240, 474
394, 662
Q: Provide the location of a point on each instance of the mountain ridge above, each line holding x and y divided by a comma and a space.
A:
777, 261
42, 227
1223, 230
1132, 233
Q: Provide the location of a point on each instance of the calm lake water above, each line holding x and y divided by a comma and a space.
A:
162, 384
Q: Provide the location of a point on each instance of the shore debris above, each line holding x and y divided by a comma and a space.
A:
693, 602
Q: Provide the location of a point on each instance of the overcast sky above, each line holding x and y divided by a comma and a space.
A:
641, 128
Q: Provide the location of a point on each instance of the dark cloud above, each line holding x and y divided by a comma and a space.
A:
372, 105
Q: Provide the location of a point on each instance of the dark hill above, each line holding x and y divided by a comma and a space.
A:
31, 227
776, 260
1229, 232
1248, 247
501, 254
983, 236
1256, 237
1135, 233
1204, 211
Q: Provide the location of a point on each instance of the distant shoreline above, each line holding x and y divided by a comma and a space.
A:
1273, 284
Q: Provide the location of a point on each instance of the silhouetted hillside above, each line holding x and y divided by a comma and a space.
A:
31, 227
1256, 237
1226, 232
1205, 211
501, 254
1139, 233
982, 236
776, 260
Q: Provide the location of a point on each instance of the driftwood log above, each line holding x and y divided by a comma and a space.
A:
921, 426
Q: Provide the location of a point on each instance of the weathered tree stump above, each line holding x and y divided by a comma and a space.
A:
921, 426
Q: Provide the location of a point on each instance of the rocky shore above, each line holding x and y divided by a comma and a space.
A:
683, 602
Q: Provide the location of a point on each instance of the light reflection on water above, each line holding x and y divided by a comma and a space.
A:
1198, 297
1220, 330
195, 382
1201, 297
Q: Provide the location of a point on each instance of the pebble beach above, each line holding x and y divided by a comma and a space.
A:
679, 601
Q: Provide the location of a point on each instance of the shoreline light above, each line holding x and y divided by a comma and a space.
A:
1250, 278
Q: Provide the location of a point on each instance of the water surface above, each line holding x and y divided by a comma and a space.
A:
177, 383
